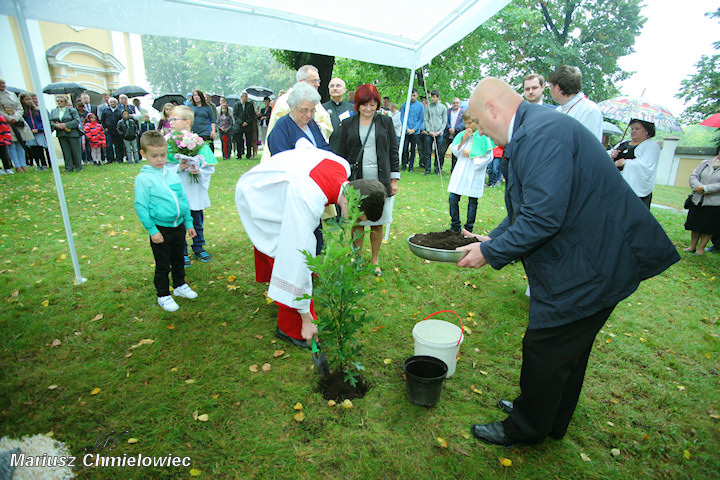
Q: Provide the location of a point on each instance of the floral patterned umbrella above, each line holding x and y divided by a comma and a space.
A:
625, 109
711, 121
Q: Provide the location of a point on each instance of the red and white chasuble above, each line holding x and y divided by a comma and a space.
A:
280, 203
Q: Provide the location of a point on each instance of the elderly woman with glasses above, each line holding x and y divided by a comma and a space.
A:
65, 121
299, 123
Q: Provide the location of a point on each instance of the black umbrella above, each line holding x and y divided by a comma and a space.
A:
15, 89
215, 99
130, 91
258, 93
232, 99
63, 88
164, 98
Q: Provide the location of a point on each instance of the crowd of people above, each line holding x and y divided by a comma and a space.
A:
582, 253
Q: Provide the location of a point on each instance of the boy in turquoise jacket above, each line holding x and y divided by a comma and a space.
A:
162, 207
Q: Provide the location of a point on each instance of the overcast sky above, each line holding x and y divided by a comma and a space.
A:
672, 40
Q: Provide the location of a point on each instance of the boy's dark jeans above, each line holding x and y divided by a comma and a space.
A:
198, 241
454, 200
169, 258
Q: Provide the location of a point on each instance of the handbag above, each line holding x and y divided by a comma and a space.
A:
688, 202
354, 167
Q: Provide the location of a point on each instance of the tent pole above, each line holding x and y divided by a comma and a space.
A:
403, 132
35, 75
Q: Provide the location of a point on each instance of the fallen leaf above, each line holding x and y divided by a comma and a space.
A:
45, 303
347, 404
194, 472
505, 462
278, 353
585, 458
268, 300
299, 417
190, 380
95, 391
686, 454
465, 435
253, 368
195, 415
97, 317
174, 369
144, 341
259, 337
231, 278
680, 387
332, 403
298, 406
467, 330
204, 417
645, 437
132, 440
128, 355
266, 367
615, 452
52, 387
55, 343
441, 442
715, 416
461, 451
387, 361
215, 396
611, 424
170, 327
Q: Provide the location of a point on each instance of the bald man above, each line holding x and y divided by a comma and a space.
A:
586, 242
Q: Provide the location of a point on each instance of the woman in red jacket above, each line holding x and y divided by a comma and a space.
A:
96, 135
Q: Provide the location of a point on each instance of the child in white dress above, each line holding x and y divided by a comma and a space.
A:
474, 152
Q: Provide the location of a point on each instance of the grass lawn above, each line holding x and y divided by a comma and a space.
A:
651, 389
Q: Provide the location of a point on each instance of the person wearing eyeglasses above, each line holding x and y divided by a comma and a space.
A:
307, 74
303, 100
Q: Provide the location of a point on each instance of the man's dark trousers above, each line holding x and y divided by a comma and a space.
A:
551, 378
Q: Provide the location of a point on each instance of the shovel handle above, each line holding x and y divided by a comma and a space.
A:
462, 327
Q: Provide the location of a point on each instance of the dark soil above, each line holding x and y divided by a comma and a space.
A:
336, 388
447, 240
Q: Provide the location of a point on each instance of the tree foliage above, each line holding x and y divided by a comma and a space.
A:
702, 88
182, 65
324, 64
526, 36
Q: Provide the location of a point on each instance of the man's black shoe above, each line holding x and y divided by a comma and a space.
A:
505, 405
284, 336
493, 433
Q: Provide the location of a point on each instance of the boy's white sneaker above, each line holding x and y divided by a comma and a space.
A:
168, 303
184, 291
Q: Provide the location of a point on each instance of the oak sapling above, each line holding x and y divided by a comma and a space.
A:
339, 276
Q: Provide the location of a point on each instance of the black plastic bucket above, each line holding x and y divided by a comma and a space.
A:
424, 378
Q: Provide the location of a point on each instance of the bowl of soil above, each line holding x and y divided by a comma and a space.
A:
439, 246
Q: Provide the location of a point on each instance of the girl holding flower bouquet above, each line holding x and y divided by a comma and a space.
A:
193, 160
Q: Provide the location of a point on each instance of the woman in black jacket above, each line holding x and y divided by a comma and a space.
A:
368, 142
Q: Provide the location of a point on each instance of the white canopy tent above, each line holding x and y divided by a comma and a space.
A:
399, 33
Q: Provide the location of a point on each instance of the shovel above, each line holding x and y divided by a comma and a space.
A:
320, 360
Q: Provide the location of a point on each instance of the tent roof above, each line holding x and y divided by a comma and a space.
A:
398, 33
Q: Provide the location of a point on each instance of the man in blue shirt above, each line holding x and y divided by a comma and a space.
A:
415, 125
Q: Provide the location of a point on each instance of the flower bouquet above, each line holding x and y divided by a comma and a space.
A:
185, 146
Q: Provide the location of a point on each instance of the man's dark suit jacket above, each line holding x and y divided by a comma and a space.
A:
244, 113
584, 237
